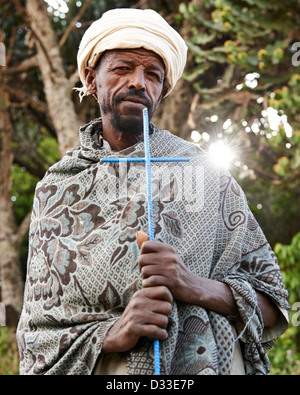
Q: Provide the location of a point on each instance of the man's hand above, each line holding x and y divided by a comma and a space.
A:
160, 265
146, 315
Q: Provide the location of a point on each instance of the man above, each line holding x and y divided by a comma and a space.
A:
209, 287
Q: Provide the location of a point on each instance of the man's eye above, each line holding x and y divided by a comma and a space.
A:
122, 68
154, 75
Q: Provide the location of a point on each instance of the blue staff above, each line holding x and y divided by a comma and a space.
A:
147, 160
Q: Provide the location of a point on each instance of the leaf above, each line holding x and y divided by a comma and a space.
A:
109, 298
203, 39
172, 224
84, 258
91, 242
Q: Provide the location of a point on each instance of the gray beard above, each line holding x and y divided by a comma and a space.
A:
127, 124
132, 123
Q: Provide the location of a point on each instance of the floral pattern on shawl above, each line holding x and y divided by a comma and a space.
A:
82, 264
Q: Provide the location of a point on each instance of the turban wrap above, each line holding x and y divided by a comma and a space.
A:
132, 29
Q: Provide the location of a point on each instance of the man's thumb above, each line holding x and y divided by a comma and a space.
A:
141, 237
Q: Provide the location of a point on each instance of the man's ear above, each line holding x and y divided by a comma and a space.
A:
90, 80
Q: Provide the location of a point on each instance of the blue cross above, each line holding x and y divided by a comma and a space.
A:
147, 160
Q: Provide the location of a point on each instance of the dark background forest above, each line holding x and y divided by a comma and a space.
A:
239, 99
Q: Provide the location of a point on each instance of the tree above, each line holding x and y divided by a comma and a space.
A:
11, 236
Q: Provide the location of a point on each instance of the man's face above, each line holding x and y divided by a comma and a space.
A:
127, 81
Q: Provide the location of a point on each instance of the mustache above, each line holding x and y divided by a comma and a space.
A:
133, 94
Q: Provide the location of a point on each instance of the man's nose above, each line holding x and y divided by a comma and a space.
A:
137, 80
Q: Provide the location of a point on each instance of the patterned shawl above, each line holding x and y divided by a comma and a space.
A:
82, 266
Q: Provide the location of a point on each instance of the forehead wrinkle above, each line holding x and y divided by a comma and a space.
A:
122, 56
151, 66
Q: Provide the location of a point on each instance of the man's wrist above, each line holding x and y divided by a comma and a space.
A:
195, 293
110, 343
212, 296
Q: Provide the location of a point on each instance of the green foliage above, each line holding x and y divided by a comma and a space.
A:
286, 354
9, 362
253, 36
23, 190
35, 151
289, 259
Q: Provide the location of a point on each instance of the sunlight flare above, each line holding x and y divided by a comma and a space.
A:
221, 154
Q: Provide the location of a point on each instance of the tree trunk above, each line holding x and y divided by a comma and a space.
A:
10, 272
172, 114
57, 87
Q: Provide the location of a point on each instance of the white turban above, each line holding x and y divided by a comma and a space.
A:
130, 29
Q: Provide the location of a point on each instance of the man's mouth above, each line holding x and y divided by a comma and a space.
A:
136, 100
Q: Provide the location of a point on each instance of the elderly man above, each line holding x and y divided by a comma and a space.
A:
209, 287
